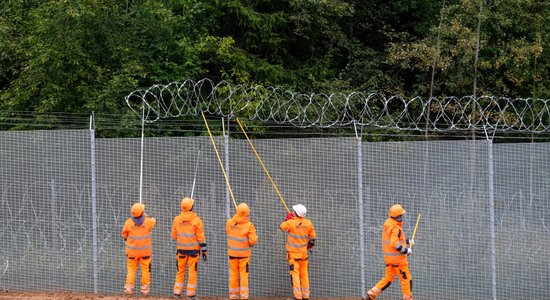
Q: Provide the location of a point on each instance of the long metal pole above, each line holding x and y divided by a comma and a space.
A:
94, 207
219, 160
195, 173
141, 155
263, 166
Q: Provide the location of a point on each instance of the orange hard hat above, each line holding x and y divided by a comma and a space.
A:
396, 210
243, 210
187, 204
137, 209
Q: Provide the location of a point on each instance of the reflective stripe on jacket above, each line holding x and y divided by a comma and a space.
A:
138, 238
393, 240
188, 231
241, 235
299, 232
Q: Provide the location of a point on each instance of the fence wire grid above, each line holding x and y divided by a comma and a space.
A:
484, 231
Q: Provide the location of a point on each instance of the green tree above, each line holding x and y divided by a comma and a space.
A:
512, 56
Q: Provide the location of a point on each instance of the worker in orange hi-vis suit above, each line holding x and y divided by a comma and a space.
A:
188, 231
395, 248
300, 238
241, 237
137, 234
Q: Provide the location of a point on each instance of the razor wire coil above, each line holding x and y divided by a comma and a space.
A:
283, 106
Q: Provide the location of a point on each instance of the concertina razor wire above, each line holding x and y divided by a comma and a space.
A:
283, 106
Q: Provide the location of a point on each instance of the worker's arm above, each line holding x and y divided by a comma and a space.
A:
174, 229
199, 232
396, 242
285, 226
125, 231
252, 236
312, 237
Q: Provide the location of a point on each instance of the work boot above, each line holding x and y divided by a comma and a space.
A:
176, 296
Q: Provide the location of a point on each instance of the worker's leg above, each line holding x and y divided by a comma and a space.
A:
181, 262
383, 283
406, 281
304, 278
243, 276
131, 267
294, 269
193, 263
233, 278
145, 265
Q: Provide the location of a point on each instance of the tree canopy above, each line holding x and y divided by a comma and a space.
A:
86, 55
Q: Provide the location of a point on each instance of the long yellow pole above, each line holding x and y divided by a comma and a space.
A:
415, 227
220, 161
263, 166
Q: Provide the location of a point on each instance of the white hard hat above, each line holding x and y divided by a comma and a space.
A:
300, 210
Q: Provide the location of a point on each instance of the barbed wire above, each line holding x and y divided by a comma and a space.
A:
283, 106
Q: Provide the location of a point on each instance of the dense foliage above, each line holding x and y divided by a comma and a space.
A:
86, 55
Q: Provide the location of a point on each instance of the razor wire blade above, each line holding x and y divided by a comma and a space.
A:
283, 106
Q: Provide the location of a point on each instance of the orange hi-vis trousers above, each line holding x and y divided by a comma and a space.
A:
132, 266
299, 276
192, 262
238, 277
404, 274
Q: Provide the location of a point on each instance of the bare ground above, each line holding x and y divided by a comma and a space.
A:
18, 295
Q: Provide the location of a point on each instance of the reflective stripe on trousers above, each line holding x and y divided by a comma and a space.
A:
405, 278
238, 277
191, 262
132, 266
299, 276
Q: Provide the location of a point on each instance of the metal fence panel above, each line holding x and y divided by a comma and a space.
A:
46, 233
447, 183
46, 228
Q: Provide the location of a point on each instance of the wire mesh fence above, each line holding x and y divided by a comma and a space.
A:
59, 209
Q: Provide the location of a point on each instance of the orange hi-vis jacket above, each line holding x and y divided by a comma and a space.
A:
138, 238
241, 236
393, 241
188, 230
300, 231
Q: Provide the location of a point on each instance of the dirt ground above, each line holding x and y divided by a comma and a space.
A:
12, 295
76, 296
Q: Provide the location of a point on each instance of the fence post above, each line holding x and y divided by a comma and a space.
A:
226, 154
55, 232
361, 214
492, 219
94, 206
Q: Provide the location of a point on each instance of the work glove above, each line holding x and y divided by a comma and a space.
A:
204, 251
289, 216
310, 244
410, 242
408, 251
